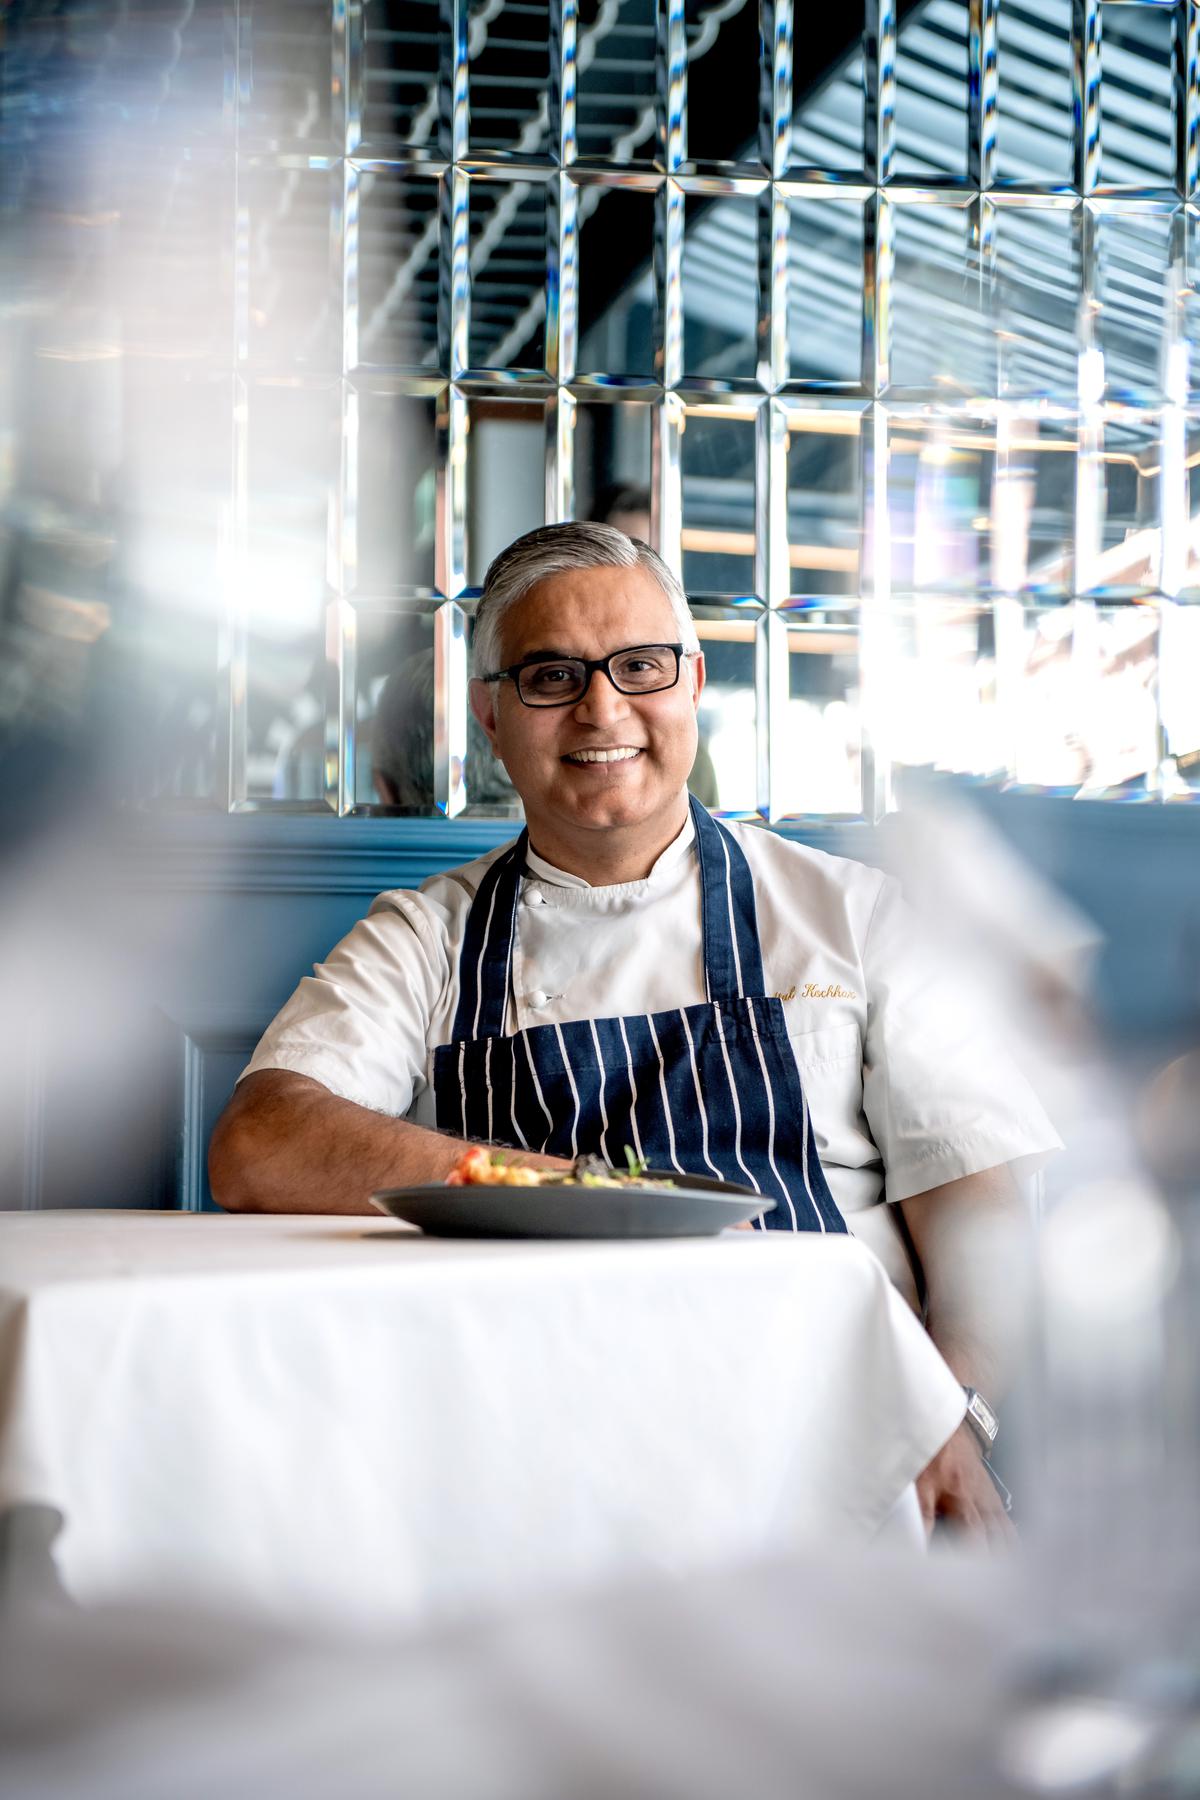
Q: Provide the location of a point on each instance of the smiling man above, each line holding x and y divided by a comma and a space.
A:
632, 972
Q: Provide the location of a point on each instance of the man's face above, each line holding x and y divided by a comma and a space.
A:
590, 613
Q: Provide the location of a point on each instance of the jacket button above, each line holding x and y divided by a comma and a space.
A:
538, 998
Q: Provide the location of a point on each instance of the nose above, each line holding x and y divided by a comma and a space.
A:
601, 702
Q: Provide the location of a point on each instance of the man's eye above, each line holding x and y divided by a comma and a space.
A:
549, 675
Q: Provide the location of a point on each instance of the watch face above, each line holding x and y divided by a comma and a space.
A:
983, 1416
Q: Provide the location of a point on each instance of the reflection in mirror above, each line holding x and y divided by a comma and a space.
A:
720, 286
816, 743
1123, 478
827, 115
285, 73
824, 498
724, 132
612, 464
1133, 254
488, 792
393, 528
398, 245
616, 116
1035, 300
509, 75
401, 44
394, 708
1034, 138
725, 774
938, 497
506, 477
941, 337
508, 275
933, 90
825, 290
1137, 130
293, 435
718, 466
292, 284
618, 307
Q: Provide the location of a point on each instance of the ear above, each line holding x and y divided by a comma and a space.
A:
482, 695
696, 665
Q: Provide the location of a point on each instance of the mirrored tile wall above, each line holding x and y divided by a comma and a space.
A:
883, 329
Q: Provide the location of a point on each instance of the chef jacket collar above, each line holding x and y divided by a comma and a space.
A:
679, 847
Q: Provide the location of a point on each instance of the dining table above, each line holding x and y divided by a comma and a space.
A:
339, 1418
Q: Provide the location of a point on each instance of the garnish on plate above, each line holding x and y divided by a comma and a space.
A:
481, 1166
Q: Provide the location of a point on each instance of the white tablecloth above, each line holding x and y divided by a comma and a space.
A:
343, 1418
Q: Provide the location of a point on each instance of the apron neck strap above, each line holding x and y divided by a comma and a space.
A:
732, 959
485, 963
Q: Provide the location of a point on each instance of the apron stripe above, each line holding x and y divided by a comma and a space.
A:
600, 1066
804, 1164
762, 1063
633, 1094
512, 1105
737, 959
462, 1052
737, 1111
487, 1076
700, 1106
574, 1091
662, 1082
524, 1036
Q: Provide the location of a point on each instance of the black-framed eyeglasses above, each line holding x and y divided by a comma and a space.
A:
564, 680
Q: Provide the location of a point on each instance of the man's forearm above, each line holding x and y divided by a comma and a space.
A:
973, 1240
286, 1144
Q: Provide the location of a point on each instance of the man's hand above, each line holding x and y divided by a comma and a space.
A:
956, 1487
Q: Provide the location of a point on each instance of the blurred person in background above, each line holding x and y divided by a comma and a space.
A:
720, 980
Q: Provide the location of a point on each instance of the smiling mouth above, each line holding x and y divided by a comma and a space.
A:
625, 753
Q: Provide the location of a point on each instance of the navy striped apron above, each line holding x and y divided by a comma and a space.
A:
709, 1090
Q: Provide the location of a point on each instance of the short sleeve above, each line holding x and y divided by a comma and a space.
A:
942, 1097
360, 1023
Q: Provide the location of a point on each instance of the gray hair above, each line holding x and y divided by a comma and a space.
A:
553, 550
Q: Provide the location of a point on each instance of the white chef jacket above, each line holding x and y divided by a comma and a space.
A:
904, 1090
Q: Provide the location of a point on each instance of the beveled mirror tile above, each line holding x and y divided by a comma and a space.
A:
292, 271
1137, 143
285, 580
825, 290
286, 77
939, 487
509, 76
393, 706
507, 234
616, 118
723, 83
933, 91
403, 46
506, 475
717, 460
178, 478
824, 449
816, 740
724, 776
1085, 718
941, 694
1035, 300
1126, 561
399, 243
392, 509
487, 792
612, 463
827, 86
619, 326
1133, 254
941, 335
1034, 120
720, 286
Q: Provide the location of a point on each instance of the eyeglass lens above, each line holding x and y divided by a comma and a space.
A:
643, 670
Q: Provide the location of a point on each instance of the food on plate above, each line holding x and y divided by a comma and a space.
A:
481, 1167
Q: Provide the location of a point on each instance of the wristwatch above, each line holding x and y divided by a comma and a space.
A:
982, 1420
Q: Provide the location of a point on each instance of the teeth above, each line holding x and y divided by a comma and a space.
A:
600, 756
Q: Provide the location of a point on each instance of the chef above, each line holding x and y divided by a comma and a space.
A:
632, 972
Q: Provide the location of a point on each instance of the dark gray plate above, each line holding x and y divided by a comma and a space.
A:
700, 1209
